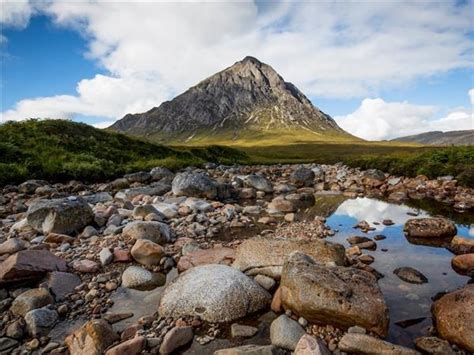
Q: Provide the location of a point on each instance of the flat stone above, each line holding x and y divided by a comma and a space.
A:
216, 293
199, 257
139, 278
85, 266
366, 344
31, 299
263, 255
29, 265
7, 343
410, 275
285, 332
434, 345
432, 227
176, 338
342, 296
252, 350
12, 245
62, 284
243, 331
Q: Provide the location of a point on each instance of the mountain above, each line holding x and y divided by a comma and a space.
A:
246, 102
441, 138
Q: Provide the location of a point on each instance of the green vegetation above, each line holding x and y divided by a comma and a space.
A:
59, 150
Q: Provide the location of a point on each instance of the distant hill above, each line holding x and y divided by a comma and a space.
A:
441, 138
247, 102
60, 150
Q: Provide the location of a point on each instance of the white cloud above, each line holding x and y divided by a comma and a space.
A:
471, 96
155, 50
376, 119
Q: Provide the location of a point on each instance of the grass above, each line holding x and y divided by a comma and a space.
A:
58, 150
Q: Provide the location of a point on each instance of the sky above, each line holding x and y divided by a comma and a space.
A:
381, 69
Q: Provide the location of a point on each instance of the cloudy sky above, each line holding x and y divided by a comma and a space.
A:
382, 69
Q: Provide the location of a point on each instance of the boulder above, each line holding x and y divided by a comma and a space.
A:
176, 338
279, 204
157, 232
285, 332
40, 321
146, 252
64, 215
308, 345
160, 172
29, 265
302, 177
92, 338
337, 295
434, 346
31, 299
461, 245
194, 185
263, 255
453, 317
206, 256
410, 275
464, 264
366, 344
140, 212
141, 279
215, 293
11, 246
431, 227
62, 284
259, 183
252, 350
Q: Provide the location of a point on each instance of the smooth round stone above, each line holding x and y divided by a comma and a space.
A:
142, 279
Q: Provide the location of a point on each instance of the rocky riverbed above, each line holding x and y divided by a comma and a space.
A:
310, 259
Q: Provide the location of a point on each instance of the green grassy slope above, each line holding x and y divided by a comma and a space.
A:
58, 150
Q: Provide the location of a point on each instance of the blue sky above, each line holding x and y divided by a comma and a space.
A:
379, 70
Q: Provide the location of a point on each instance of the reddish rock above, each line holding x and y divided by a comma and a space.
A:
56, 238
276, 301
176, 338
29, 265
121, 255
147, 253
308, 345
464, 264
206, 256
130, 347
86, 266
461, 245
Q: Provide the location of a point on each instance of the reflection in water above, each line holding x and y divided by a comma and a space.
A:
406, 301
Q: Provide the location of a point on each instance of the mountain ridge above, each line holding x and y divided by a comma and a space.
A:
247, 99
459, 137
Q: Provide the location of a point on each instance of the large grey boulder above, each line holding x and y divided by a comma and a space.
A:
259, 183
194, 185
342, 296
285, 332
302, 177
216, 293
40, 321
63, 215
266, 256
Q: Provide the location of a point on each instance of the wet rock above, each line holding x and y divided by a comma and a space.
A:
430, 228
259, 183
434, 346
308, 345
453, 317
176, 338
410, 275
206, 256
146, 252
302, 177
461, 245
156, 232
40, 321
216, 293
366, 344
266, 256
463, 264
252, 350
11, 246
29, 265
242, 331
285, 332
336, 295
140, 278
133, 346
92, 338
194, 185
62, 284
31, 299
65, 216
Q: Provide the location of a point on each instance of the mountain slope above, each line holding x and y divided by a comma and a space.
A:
248, 101
441, 138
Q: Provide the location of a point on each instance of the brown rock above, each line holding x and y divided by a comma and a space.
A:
453, 315
433, 345
206, 256
281, 205
176, 338
121, 255
276, 301
130, 347
366, 344
341, 296
92, 338
461, 245
463, 264
261, 255
29, 265
86, 266
12, 245
31, 299
430, 228
56, 238
146, 252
